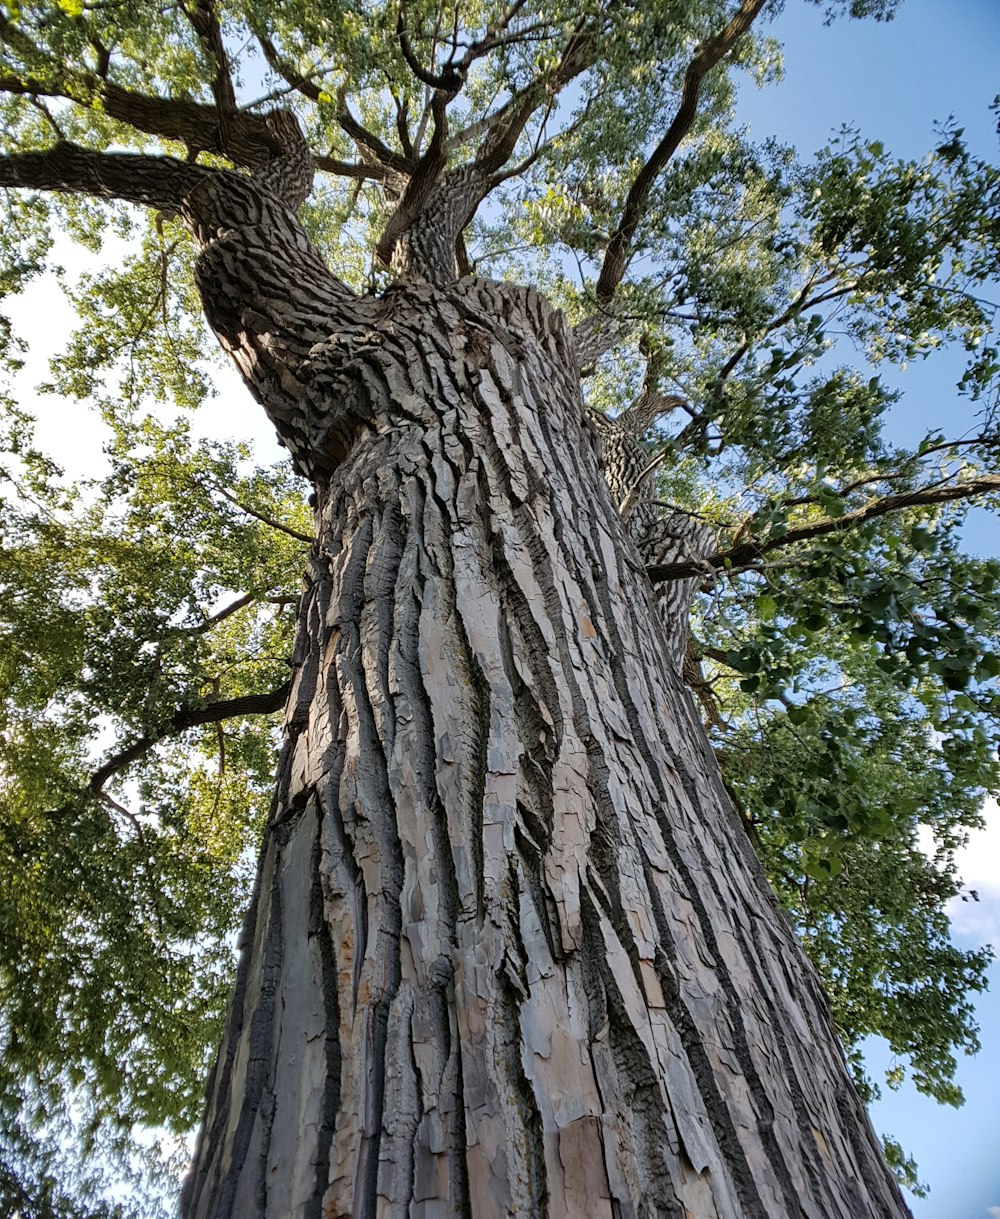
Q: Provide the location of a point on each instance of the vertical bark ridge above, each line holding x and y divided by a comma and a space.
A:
630, 1086
561, 988
367, 790
330, 1080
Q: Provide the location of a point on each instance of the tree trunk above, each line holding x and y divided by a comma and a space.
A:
510, 953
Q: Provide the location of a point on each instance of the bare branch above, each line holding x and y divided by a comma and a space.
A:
433, 193
748, 553
449, 81
181, 720
205, 22
260, 516
706, 57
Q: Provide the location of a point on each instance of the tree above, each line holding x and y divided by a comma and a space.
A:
510, 949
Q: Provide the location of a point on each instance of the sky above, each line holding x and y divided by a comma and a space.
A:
894, 81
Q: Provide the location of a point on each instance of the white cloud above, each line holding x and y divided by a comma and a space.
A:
993, 1212
979, 868
979, 860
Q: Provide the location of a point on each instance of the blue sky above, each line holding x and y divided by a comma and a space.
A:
895, 81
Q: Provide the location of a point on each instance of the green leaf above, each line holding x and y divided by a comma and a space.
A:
767, 607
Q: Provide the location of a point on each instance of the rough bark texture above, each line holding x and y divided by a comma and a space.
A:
510, 953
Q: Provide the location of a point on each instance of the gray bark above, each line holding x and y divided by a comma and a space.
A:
510, 953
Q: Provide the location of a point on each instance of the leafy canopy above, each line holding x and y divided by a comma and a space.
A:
756, 306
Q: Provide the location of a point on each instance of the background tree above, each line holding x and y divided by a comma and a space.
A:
846, 648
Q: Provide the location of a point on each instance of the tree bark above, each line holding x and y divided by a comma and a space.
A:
510, 953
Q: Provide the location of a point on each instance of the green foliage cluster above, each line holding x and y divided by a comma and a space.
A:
117, 610
851, 654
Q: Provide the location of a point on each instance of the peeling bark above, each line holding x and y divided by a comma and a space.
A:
510, 953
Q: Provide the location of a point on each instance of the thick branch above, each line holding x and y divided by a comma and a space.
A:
708, 54
748, 553
449, 81
501, 140
190, 717
361, 171
443, 201
419, 191
160, 182
245, 138
370, 143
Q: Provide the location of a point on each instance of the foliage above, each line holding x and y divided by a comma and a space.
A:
851, 649
118, 927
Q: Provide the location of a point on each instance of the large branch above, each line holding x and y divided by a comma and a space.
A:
360, 171
707, 56
244, 138
449, 81
440, 201
190, 717
748, 553
160, 182
498, 146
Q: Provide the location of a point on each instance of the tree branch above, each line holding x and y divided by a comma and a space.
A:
205, 22
189, 717
433, 192
746, 554
447, 82
243, 137
361, 171
260, 516
501, 139
632, 495
708, 54
160, 182
385, 157
227, 611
